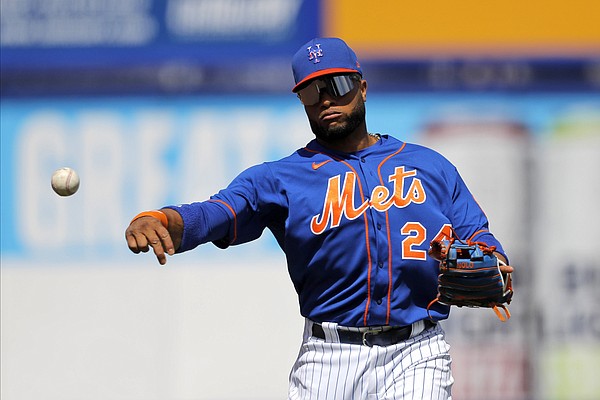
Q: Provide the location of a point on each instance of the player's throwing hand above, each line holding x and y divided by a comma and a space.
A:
149, 229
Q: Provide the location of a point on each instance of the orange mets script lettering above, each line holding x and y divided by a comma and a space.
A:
339, 202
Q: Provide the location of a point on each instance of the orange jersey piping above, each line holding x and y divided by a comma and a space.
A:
389, 238
234, 218
366, 219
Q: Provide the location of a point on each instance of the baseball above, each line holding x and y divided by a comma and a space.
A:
65, 181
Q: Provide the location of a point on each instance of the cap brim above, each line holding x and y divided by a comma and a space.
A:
321, 73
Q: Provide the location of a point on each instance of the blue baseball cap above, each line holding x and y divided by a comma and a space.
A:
323, 56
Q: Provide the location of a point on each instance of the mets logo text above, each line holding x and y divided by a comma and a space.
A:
339, 200
314, 54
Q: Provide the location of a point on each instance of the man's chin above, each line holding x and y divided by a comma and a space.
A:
332, 133
339, 129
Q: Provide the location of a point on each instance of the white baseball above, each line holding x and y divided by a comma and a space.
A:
65, 181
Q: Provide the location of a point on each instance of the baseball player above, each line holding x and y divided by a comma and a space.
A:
354, 213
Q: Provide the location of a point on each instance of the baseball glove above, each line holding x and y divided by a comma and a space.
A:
470, 276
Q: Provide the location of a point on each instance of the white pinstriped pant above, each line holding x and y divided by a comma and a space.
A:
418, 368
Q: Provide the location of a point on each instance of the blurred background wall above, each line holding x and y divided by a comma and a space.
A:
159, 102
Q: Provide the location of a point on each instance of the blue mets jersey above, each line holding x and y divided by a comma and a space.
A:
355, 228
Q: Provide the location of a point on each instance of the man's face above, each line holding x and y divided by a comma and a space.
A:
335, 117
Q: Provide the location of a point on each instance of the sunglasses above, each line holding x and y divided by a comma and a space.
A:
335, 86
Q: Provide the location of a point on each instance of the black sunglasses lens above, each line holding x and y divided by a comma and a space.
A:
336, 86
310, 94
340, 85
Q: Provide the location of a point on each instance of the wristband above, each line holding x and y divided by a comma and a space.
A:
159, 215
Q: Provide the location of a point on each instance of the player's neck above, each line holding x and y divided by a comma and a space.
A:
358, 140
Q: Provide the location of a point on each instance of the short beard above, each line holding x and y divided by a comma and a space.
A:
332, 134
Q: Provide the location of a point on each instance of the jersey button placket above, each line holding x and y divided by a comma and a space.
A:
379, 278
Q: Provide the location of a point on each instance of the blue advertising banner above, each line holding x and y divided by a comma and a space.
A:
76, 33
64, 47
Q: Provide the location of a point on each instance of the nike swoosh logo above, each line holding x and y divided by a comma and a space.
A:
316, 166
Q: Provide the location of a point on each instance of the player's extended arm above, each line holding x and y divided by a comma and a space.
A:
162, 230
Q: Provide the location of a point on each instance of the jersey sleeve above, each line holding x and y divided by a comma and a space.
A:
237, 214
468, 218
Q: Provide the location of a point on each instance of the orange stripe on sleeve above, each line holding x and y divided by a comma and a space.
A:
234, 218
477, 233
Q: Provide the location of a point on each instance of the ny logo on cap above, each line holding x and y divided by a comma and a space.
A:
314, 54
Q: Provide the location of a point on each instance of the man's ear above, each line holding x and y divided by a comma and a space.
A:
363, 89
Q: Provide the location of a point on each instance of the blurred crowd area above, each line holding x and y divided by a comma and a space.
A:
158, 102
